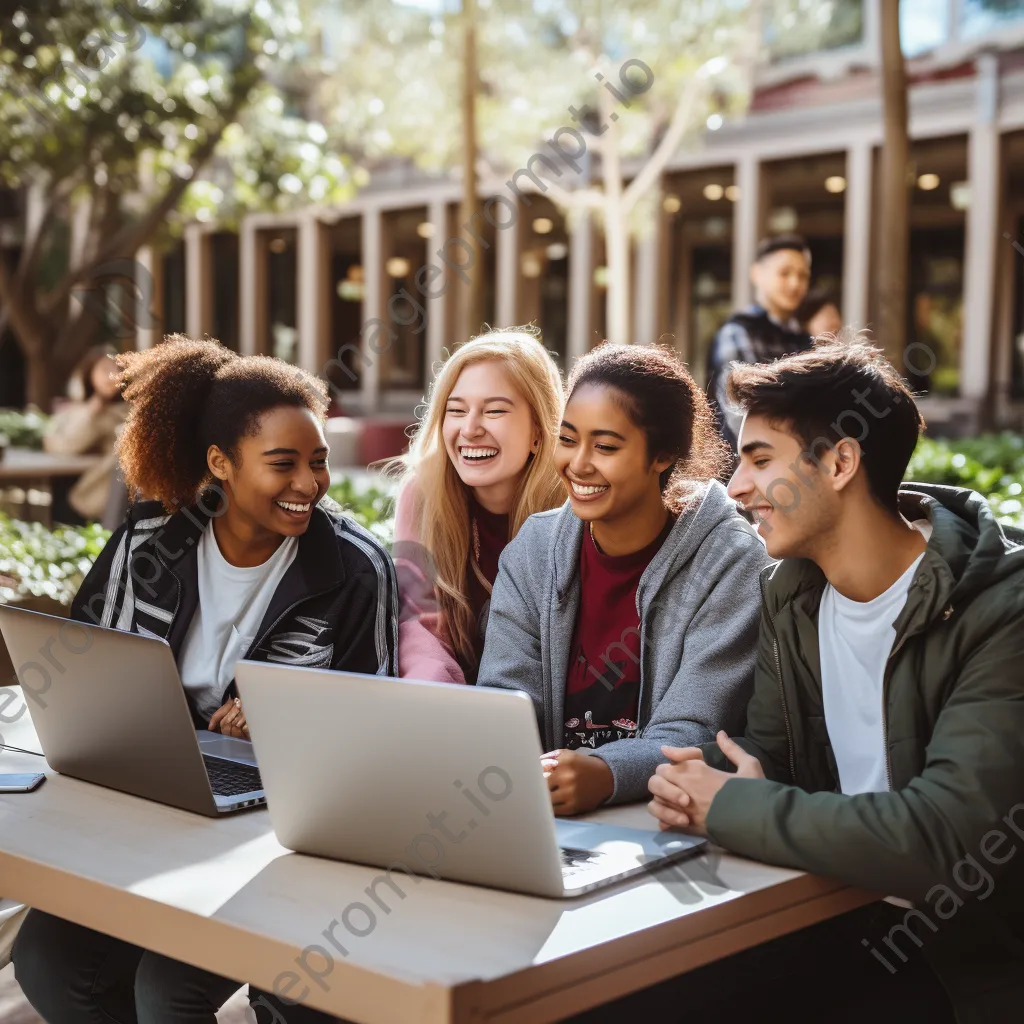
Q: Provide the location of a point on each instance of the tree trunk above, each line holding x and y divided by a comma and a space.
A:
894, 235
472, 305
40, 381
616, 229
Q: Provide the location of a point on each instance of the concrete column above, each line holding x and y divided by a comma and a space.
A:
746, 224
375, 326
437, 296
581, 284
198, 282
981, 233
149, 298
252, 272
311, 289
646, 274
857, 234
506, 304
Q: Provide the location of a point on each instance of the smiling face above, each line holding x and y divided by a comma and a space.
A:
278, 475
602, 457
103, 378
793, 498
489, 433
780, 280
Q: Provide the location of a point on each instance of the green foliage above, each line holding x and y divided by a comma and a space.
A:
397, 90
992, 464
371, 508
116, 99
23, 429
37, 562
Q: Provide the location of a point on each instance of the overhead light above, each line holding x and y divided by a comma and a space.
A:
835, 183
713, 192
557, 251
960, 195
397, 266
783, 219
732, 193
716, 227
425, 229
277, 245
714, 122
543, 225
928, 182
530, 265
671, 204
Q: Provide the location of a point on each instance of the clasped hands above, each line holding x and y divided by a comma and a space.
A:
684, 788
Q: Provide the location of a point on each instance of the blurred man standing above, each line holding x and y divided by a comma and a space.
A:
768, 329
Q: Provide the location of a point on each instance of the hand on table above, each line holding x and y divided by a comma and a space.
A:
578, 782
684, 789
229, 719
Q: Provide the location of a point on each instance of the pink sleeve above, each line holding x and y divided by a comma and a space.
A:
424, 651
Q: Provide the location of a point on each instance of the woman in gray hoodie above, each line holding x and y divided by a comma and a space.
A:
630, 614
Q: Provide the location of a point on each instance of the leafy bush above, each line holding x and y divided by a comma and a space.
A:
992, 464
37, 562
370, 507
23, 429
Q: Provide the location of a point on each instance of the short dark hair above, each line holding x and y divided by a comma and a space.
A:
816, 395
781, 243
663, 400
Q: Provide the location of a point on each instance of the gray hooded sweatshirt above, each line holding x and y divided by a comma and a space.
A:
699, 603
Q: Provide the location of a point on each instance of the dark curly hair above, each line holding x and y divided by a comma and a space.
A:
186, 395
665, 402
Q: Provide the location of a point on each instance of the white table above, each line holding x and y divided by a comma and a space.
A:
224, 895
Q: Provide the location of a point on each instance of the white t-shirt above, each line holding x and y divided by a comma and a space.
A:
855, 639
232, 603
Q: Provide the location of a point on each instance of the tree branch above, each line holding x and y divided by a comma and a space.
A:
670, 142
132, 236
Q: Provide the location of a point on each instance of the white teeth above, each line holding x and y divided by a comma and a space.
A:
292, 507
478, 453
583, 492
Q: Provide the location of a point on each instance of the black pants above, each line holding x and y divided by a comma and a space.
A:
818, 975
74, 975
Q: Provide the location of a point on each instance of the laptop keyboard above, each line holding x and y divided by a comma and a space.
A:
229, 778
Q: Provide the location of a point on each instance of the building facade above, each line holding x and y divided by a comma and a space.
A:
357, 292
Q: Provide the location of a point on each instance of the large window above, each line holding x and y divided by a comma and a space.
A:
927, 24
698, 206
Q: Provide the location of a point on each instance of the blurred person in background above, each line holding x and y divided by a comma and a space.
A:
765, 331
90, 426
819, 314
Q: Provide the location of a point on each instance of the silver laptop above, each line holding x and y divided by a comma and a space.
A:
109, 708
427, 778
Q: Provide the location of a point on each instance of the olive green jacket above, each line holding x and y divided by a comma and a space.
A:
954, 723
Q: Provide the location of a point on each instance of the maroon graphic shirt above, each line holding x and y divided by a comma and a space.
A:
603, 679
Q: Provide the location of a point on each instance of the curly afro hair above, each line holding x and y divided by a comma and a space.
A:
186, 395
665, 402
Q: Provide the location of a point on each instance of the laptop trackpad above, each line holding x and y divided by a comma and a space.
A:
228, 747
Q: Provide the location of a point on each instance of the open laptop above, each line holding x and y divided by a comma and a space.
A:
429, 778
109, 708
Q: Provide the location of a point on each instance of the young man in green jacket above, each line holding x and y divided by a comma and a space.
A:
884, 743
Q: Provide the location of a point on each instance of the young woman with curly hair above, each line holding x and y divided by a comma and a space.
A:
479, 465
630, 614
234, 553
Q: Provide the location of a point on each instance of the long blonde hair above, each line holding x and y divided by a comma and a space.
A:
444, 508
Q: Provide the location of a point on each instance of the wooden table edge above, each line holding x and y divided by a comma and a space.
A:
601, 974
